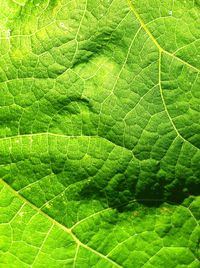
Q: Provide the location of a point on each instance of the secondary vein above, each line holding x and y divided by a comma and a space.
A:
154, 40
64, 228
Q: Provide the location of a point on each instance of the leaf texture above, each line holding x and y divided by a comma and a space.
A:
99, 133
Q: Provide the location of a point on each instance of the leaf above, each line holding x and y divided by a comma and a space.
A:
99, 133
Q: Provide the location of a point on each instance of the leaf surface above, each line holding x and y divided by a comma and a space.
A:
99, 133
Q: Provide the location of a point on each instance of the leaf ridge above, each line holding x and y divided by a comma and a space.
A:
64, 136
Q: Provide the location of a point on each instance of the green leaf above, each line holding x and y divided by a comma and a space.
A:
99, 133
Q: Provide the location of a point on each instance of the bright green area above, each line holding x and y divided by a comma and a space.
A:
99, 133
138, 237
